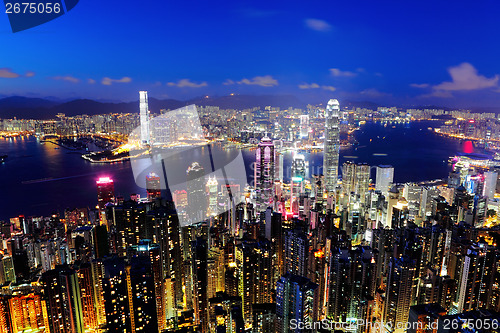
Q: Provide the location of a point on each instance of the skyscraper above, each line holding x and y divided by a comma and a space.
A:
197, 199
153, 186
105, 191
264, 173
304, 126
332, 145
144, 117
384, 178
490, 184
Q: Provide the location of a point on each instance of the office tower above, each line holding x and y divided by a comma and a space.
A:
331, 146
196, 195
264, 173
115, 294
86, 283
7, 271
212, 192
296, 247
476, 277
166, 234
64, 301
304, 126
384, 178
200, 274
98, 292
490, 184
253, 261
296, 299
129, 225
355, 179
144, 117
153, 186
105, 192
180, 199
299, 172
401, 273
362, 183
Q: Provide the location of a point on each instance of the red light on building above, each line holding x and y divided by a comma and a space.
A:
153, 186
105, 191
468, 147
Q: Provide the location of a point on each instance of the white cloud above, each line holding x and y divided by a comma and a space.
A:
108, 81
317, 25
67, 78
308, 86
90, 81
330, 88
316, 86
465, 77
29, 74
7, 73
337, 72
419, 85
263, 81
228, 82
186, 83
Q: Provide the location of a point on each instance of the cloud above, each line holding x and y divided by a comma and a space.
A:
308, 86
186, 83
90, 81
419, 85
29, 74
330, 88
317, 25
338, 73
316, 86
263, 81
67, 78
108, 81
465, 77
228, 82
7, 73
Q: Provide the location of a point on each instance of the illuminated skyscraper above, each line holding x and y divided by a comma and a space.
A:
264, 173
304, 126
296, 299
384, 178
105, 191
196, 195
212, 191
153, 186
490, 184
299, 171
144, 117
332, 145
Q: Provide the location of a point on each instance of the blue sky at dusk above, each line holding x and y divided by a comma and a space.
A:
392, 52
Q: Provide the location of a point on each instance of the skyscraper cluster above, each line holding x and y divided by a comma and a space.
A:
299, 249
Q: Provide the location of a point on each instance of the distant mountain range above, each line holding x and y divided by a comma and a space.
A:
47, 108
40, 108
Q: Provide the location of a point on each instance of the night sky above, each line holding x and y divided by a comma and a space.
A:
393, 52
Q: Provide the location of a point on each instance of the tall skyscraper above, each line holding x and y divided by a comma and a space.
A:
105, 191
332, 146
304, 126
264, 173
296, 299
144, 117
153, 186
490, 184
384, 178
196, 195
